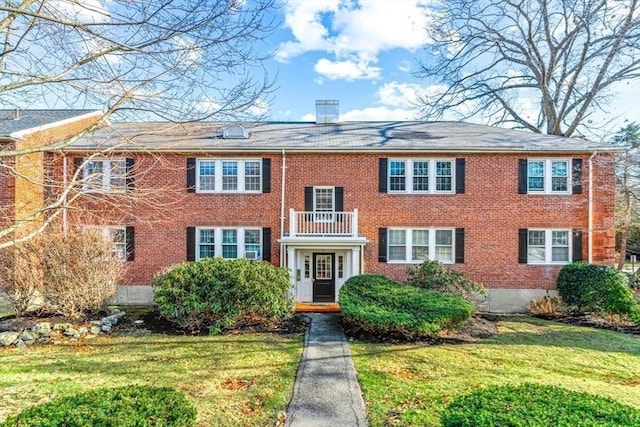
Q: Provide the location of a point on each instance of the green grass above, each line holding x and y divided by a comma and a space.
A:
410, 385
234, 380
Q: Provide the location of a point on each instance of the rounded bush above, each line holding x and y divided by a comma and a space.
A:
377, 305
134, 406
534, 405
215, 294
596, 288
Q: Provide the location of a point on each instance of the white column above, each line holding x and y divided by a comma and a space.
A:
354, 223
292, 223
355, 261
291, 255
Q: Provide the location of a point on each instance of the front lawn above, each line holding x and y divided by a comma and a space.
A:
410, 385
234, 380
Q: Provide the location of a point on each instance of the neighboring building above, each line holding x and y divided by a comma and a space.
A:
331, 200
22, 178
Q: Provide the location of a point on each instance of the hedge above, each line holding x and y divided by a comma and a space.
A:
132, 406
534, 405
377, 305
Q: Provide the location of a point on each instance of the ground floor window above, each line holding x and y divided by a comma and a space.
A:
228, 243
420, 244
548, 246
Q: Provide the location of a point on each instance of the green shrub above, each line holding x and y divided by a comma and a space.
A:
434, 275
134, 406
215, 294
596, 288
377, 305
535, 405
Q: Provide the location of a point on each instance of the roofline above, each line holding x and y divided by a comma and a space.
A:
279, 150
19, 135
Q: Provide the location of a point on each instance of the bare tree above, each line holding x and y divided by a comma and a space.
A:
163, 60
628, 186
541, 65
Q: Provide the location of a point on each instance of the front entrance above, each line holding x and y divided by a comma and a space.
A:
324, 281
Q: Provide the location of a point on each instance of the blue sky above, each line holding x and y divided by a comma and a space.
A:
364, 54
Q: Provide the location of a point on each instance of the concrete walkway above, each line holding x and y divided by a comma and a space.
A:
326, 392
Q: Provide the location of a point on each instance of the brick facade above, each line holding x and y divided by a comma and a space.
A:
491, 210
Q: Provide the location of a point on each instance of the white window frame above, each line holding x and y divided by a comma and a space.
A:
106, 185
241, 182
107, 236
408, 258
240, 241
324, 215
408, 177
548, 246
548, 178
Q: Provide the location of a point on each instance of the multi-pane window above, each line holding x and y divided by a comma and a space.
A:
228, 242
420, 176
232, 176
105, 175
548, 176
420, 244
323, 203
116, 237
548, 246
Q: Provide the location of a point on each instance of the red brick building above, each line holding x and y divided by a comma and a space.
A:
333, 200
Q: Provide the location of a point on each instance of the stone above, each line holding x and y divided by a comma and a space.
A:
139, 322
105, 328
42, 329
20, 344
62, 326
95, 323
8, 338
82, 330
70, 332
95, 329
28, 337
113, 319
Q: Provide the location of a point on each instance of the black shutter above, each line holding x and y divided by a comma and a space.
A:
130, 177
576, 176
77, 162
382, 175
459, 245
522, 176
131, 244
577, 245
191, 243
266, 244
191, 175
339, 194
460, 175
382, 245
523, 236
266, 175
308, 199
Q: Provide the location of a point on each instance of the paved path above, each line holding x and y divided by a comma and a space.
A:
326, 392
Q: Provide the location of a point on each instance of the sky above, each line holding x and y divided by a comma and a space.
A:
364, 53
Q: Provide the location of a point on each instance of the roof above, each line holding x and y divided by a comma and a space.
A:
15, 122
341, 137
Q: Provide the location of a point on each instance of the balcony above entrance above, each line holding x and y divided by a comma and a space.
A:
323, 224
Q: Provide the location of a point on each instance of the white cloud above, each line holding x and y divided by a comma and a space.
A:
259, 108
405, 66
353, 32
378, 114
85, 11
347, 70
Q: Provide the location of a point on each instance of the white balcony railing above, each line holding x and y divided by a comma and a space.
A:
327, 224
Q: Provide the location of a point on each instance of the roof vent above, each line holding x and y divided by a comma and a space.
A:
235, 132
327, 111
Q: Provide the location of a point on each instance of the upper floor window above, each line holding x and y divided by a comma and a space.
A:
550, 246
550, 176
105, 175
229, 176
422, 176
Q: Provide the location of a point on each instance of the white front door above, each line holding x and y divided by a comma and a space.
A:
304, 279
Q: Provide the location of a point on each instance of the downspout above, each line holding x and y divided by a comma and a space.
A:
282, 193
65, 164
590, 226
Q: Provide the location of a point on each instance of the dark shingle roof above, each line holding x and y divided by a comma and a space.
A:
14, 121
346, 136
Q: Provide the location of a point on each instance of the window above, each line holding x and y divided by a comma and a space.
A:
417, 245
228, 176
421, 176
548, 176
323, 201
105, 175
121, 239
228, 243
548, 246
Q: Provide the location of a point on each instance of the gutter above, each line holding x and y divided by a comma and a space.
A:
282, 194
65, 220
590, 226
